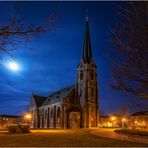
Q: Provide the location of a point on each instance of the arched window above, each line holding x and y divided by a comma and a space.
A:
92, 91
48, 111
51, 112
92, 75
81, 75
54, 113
80, 92
58, 112
45, 114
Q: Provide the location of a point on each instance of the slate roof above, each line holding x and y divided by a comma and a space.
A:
38, 100
140, 113
58, 95
87, 52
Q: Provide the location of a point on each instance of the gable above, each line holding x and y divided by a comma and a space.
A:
37, 101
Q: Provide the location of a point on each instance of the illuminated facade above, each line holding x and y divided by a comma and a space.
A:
76, 106
139, 120
113, 120
6, 120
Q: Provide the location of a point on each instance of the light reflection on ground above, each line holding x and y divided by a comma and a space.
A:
48, 131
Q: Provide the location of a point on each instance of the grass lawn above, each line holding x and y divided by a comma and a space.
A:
69, 138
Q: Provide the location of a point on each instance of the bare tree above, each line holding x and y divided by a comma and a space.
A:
16, 31
138, 104
130, 41
123, 111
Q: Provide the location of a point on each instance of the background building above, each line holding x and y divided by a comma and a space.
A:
6, 120
139, 120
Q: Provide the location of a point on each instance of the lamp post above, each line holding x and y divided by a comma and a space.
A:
113, 120
123, 122
27, 118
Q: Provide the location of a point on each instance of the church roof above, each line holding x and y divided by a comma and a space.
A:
38, 100
58, 95
140, 113
87, 52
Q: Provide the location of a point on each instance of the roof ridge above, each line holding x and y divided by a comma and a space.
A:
139, 112
58, 95
61, 89
39, 96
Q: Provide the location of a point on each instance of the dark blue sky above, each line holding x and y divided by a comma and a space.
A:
53, 62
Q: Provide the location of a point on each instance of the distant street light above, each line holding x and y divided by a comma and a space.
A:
113, 118
123, 119
123, 122
27, 116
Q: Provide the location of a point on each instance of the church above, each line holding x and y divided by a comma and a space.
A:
76, 106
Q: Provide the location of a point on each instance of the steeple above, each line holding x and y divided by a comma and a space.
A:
87, 84
87, 53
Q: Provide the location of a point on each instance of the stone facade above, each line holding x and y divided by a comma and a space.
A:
88, 89
75, 106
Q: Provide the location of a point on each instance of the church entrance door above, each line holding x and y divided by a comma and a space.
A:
74, 119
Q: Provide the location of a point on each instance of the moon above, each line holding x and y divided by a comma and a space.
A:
14, 66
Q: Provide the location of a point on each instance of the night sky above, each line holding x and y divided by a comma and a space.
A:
52, 63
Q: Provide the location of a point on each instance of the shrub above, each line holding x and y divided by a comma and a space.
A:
19, 128
133, 132
12, 129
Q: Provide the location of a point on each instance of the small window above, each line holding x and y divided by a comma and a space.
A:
45, 114
48, 111
58, 112
51, 113
92, 75
92, 92
80, 92
81, 75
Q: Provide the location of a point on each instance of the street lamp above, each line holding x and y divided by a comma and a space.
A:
123, 119
27, 117
123, 122
113, 118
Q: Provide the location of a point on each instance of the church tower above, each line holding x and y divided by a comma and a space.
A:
87, 86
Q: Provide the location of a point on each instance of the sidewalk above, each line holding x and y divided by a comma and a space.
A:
109, 133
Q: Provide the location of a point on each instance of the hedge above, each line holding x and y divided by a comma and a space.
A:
19, 128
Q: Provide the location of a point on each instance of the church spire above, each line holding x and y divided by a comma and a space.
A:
87, 53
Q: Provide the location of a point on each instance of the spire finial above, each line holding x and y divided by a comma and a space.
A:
32, 92
86, 18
